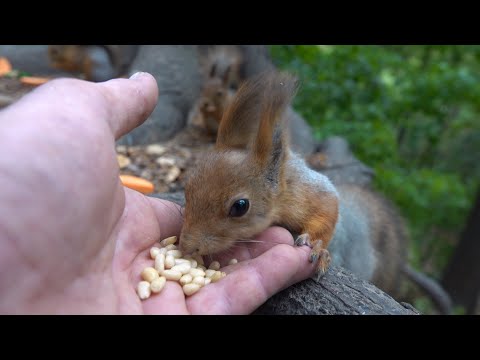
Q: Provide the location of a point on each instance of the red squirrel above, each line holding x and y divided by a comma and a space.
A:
212, 103
223, 73
224, 62
253, 180
93, 62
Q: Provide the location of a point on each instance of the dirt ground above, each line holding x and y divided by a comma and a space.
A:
12, 89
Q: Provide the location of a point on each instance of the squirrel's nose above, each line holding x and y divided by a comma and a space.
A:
185, 245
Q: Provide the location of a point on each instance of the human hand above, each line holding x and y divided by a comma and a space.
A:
74, 240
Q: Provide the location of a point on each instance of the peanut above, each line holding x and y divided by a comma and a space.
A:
217, 276
154, 251
214, 265
189, 271
190, 289
200, 280
160, 263
210, 272
197, 272
158, 284
169, 261
185, 279
149, 274
182, 261
183, 268
175, 253
169, 241
143, 290
172, 275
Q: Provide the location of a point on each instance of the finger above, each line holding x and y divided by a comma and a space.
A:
251, 283
170, 301
123, 104
145, 221
130, 101
274, 235
169, 216
152, 220
245, 250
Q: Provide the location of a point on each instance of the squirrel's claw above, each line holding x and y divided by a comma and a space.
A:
303, 239
322, 256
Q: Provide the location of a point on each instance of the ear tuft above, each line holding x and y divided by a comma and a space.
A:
256, 108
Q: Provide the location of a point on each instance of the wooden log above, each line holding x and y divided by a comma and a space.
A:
339, 292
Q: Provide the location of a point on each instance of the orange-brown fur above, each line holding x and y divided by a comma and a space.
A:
222, 68
252, 160
253, 113
94, 62
323, 210
224, 62
72, 58
212, 103
218, 179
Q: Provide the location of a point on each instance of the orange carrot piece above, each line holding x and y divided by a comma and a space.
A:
33, 80
137, 183
5, 66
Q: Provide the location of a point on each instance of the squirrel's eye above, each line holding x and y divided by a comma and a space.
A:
239, 208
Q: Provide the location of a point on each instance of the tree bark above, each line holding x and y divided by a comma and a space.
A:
338, 292
462, 276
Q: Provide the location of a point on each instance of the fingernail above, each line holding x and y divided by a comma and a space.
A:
137, 75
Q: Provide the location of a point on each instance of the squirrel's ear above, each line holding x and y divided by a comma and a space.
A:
269, 149
212, 70
239, 125
226, 76
258, 105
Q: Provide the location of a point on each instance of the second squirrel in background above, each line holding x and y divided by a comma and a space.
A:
222, 67
93, 62
252, 180
224, 62
213, 101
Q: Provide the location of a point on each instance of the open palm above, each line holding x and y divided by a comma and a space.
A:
77, 240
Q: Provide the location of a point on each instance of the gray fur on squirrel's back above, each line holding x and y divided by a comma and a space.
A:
351, 246
376, 234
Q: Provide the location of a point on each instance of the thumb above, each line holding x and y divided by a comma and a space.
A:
123, 104
130, 101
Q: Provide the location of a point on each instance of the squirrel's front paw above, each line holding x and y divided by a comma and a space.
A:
323, 258
303, 239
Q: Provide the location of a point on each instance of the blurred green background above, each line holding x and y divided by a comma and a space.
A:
413, 114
